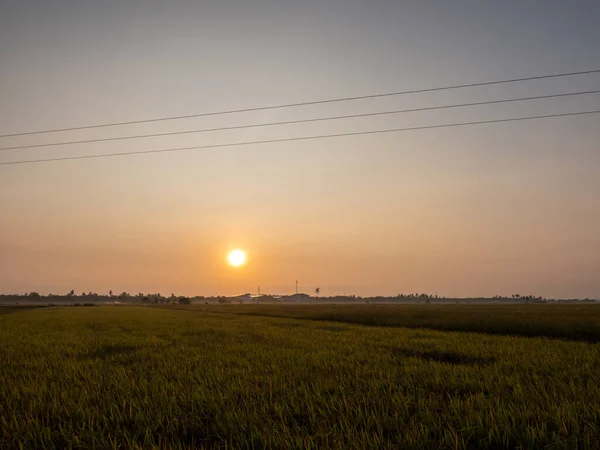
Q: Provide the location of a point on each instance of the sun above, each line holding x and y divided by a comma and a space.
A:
236, 258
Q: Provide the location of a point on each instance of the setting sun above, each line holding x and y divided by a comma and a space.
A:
236, 258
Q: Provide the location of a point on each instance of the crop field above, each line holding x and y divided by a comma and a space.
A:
306, 376
577, 322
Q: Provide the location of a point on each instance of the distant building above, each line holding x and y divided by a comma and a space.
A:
296, 298
241, 298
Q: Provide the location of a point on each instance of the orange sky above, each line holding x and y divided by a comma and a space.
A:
487, 210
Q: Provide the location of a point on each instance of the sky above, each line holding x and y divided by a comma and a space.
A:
483, 210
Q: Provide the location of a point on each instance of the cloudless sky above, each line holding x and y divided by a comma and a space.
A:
484, 210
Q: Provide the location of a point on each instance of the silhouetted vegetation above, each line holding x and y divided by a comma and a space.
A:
158, 299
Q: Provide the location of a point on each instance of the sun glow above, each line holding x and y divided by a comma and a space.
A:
236, 258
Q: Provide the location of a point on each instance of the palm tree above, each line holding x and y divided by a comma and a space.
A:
317, 292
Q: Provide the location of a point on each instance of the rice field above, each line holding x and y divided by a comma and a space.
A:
314, 377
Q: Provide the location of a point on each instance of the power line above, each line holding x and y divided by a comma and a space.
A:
290, 122
315, 102
301, 138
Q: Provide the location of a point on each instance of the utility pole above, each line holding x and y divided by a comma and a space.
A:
296, 287
259, 290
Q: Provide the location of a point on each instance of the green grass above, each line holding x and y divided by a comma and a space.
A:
9, 309
210, 377
575, 322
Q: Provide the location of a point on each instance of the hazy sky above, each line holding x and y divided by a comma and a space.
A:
485, 210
